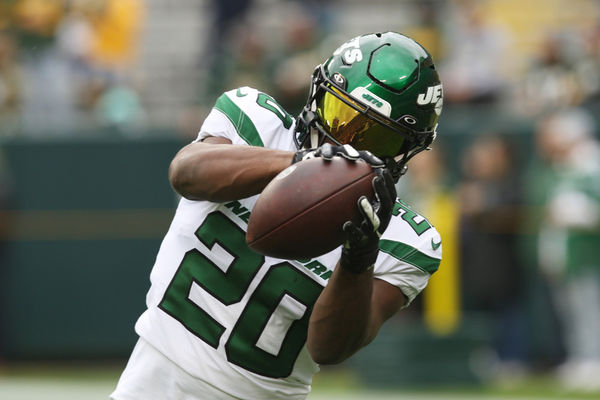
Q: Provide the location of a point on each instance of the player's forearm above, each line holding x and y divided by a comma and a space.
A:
340, 323
222, 172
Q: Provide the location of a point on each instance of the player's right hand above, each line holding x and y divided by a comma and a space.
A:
328, 151
361, 245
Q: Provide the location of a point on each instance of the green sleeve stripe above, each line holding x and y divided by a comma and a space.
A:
409, 255
243, 125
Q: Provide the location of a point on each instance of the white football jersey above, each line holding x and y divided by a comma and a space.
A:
237, 319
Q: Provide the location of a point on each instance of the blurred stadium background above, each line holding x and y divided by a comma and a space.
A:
96, 96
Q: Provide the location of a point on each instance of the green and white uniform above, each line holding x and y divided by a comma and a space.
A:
238, 320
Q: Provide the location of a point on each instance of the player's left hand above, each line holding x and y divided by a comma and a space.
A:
361, 245
328, 151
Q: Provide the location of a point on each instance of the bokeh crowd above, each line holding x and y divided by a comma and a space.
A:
67, 64
512, 183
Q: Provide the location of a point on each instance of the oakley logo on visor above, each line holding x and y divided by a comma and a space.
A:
369, 99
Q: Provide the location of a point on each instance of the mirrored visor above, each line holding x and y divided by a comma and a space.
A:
356, 126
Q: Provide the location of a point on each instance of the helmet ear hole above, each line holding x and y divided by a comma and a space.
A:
339, 80
408, 119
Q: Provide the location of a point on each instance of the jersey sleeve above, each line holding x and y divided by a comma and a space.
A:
410, 252
216, 124
246, 116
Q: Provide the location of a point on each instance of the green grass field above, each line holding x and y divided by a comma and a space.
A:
94, 382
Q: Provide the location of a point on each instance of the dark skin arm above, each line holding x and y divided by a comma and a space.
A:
352, 307
218, 171
348, 314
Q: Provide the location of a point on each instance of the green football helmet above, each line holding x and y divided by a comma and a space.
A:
378, 92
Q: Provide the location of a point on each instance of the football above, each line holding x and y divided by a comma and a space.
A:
300, 213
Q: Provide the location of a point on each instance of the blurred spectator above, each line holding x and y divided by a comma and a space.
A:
116, 26
100, 38
492, 276
426, 187
551, 80
228, 32
228, 16
241, 51
48, 98
119, 107
9, 75
248, 60
473, 70
427, 28
67, 55
569, 238
36, 21
299, 52
588, 69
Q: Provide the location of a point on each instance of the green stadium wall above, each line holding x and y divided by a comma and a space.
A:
87, 219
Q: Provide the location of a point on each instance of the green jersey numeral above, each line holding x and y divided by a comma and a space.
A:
266, 101
282, 284
410, 216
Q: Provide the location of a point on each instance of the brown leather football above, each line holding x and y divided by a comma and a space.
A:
300, 213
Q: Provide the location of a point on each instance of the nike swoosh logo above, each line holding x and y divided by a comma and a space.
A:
240, 94
435, 245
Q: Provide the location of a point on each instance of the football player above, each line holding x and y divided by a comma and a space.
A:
224, 322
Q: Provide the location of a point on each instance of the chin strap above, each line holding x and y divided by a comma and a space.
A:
399, 168
314, 138
396, 168
303, 129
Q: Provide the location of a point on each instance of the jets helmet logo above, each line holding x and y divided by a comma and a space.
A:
434, 95
351, 51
